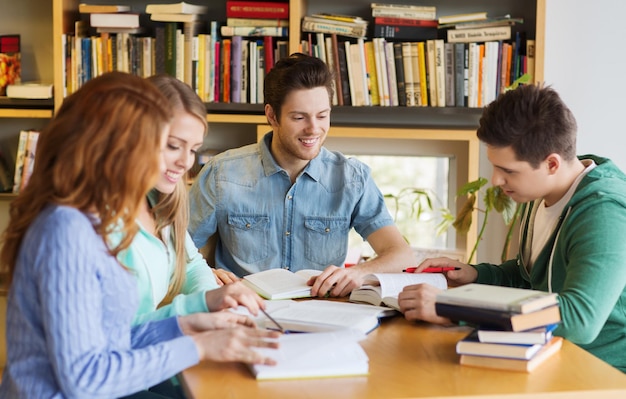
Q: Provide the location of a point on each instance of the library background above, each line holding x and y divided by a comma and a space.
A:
411, 135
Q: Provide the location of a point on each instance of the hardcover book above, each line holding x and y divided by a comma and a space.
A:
84, 8
173, 17
19, 160
257, 9
324, 25
424, 23
178, 8
479, 34
497, 297
404, 32
470, 345
114, 20
522, 365
254, 31
31, 90
456, 18
29, 157
283, 23
540, 335
499, 319
404, 11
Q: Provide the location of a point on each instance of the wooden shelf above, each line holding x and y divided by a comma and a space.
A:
407, 117
23, 108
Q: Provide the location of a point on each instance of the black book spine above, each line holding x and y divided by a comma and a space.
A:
401, 82
483, 318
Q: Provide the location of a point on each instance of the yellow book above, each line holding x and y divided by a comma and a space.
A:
200, 84
421, 57
372, 73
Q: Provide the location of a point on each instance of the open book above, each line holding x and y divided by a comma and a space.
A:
281, 283
383, 288
326, 354
317, 315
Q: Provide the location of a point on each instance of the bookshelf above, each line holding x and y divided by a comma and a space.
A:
445, 126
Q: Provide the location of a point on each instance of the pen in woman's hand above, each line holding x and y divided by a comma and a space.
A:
280, 328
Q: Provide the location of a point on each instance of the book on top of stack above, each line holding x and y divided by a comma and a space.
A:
477, 27
342, 25
175, 12
260, 18
404, 22
513, 326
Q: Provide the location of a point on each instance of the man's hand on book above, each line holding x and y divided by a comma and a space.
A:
336, 281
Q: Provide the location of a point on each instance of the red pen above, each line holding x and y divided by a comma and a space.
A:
432, 269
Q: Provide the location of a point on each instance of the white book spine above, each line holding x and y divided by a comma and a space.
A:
391, 73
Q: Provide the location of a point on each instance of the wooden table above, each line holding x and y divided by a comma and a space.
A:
409, 360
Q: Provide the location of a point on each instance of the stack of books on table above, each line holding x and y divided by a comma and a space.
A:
513, 325
405, 22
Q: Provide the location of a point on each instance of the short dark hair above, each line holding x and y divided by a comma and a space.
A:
296, 72
533, 120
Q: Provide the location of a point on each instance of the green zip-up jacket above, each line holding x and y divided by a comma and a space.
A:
584, 261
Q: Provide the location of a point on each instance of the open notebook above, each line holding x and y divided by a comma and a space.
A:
315, 355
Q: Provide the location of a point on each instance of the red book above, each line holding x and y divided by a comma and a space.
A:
268, 47
257, 9
225, 70
217, 94
405, 22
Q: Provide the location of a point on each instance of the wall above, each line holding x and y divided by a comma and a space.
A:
584, 62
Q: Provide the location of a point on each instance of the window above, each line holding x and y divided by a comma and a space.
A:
398, 176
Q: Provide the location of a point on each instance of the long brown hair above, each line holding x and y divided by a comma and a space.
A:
99, 154
173, 209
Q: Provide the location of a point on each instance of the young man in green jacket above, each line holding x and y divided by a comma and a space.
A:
572, 227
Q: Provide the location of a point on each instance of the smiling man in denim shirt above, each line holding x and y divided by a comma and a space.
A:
289, 202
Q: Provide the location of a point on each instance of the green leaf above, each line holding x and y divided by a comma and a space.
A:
472, 187
524, 79
464, 217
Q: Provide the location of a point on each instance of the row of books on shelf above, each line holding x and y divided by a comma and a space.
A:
227, 64
512, 327
14, 180
368, 73
230, 69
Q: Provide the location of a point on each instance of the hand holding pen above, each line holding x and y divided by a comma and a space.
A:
457, 273
432, 269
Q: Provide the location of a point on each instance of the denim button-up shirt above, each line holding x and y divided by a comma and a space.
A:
265, 222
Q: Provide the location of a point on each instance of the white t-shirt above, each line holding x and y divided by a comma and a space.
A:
547, 217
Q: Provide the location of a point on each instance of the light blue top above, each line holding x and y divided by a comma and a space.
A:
69, 317
265, 222
153, 262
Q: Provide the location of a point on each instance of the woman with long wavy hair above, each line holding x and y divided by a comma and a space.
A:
71, 302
